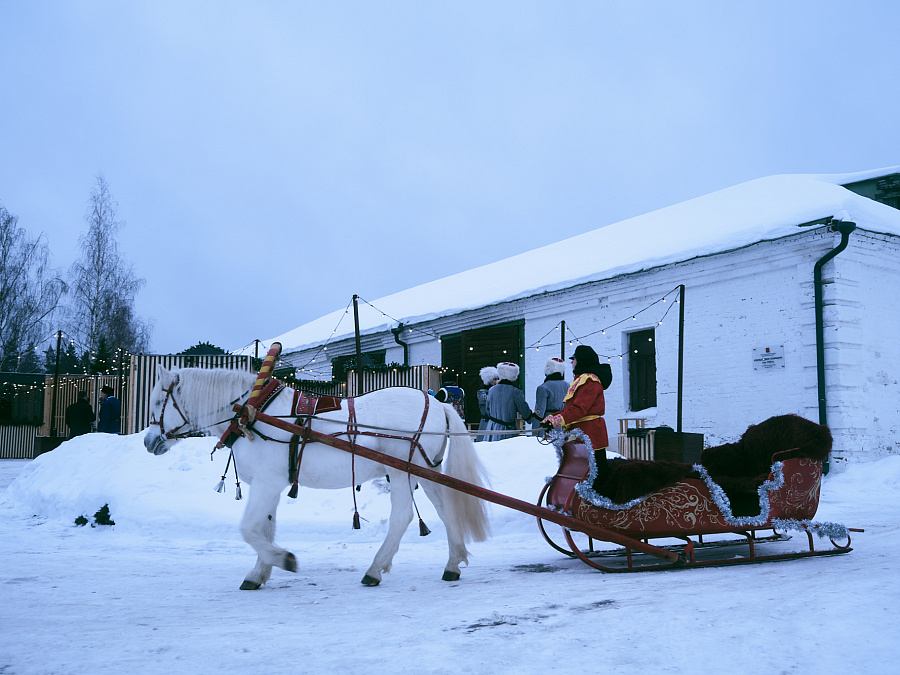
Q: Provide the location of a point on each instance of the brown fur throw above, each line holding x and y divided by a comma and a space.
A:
739, 468
627, 479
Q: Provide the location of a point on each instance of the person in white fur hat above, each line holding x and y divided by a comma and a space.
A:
503, 402
548, 398
490, 377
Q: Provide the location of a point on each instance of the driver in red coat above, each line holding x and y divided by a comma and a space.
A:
584, 402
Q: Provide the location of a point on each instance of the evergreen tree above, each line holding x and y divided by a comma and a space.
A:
69, 363
101, 359
68, 360
10, 360
202, 348
29, 362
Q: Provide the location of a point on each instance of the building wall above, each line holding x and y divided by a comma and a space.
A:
863, 366
734, 302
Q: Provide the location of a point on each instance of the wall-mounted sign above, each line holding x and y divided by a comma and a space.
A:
768, 358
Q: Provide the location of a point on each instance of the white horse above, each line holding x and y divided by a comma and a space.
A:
193, 401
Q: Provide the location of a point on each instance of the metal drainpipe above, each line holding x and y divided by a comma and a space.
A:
396, 331
845, 228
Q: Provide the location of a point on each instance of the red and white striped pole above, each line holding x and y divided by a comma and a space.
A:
265, 371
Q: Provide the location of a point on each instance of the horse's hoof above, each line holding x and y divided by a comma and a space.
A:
370, 581
450, 576
290, 562
249, 585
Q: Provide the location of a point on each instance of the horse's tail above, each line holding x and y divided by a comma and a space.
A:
462, 462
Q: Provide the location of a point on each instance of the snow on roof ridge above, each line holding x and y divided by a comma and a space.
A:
757, 210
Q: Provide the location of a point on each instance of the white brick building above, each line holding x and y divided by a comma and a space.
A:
746, 256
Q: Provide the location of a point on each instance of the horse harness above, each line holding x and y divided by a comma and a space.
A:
304, 408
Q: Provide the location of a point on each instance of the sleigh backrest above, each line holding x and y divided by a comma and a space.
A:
798, 498
573, 469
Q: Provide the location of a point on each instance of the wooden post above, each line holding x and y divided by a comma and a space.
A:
55, 387
359, 373
680, 356
562, 342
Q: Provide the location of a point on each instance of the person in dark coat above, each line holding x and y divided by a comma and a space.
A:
504, 400
110, 411
548, 398
585, 404
80, 416
490, 377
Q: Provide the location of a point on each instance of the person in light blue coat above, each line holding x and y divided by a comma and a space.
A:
490, 377
504, 401
548, 397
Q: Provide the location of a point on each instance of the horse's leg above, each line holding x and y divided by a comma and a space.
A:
457, 546
258, 530
401, 517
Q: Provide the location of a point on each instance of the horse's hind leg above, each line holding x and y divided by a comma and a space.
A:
258, 530
457, 546
401, 517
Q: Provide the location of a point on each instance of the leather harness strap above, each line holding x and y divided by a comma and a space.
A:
307, 407
414, 441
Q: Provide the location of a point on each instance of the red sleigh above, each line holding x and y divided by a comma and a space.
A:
694, 511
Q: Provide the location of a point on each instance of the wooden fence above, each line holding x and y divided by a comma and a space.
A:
417, 377
17, 440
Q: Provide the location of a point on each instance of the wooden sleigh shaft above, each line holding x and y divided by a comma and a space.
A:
475, 490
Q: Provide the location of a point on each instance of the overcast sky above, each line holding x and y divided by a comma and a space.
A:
271, 159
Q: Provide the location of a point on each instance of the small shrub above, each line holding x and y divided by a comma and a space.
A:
100, 518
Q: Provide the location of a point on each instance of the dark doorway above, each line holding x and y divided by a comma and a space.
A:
466, 353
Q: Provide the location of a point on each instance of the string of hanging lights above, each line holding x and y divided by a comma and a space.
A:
575, 339
323, 368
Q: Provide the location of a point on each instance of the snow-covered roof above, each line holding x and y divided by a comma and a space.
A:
758, 210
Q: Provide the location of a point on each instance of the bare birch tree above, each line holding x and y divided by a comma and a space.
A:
29, 291
103, 283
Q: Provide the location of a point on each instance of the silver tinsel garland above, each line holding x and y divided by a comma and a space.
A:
585, 490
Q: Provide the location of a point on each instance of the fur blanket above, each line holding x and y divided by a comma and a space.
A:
739, 468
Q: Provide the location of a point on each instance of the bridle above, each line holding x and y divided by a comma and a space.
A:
177, 432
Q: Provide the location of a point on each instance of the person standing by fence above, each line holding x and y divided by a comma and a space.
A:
110, 411
80, 416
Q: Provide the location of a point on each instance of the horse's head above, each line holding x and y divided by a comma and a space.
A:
168, 420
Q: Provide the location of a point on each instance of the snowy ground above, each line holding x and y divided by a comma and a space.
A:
158, 592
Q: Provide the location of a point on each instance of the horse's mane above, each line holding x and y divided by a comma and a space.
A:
207, 392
